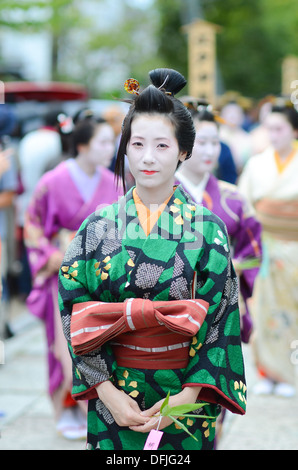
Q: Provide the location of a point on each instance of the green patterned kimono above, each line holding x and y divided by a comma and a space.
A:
186, 255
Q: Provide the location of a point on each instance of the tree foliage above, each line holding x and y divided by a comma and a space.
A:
255, 37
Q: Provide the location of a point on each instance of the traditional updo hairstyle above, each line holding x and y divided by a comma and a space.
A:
288, 110
158, 98
201, 110
85, 124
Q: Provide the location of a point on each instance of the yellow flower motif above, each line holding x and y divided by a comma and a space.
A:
104, 276
177, 201
242, 389
74, 273
133, 384
174, 209
192, 352
96, 265
125, 374
121, 383
206, 432
179, 220
75, 264
65, 269
98, 272
134, 393
107, 259
130, 263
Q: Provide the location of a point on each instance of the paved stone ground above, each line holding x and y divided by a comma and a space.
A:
26, 416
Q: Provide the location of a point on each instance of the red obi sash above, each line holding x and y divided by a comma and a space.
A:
149, 334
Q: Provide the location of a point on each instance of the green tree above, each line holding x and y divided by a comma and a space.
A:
256, 36
172, 41
58, 17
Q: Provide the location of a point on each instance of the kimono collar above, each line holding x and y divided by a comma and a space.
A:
195, 190
148, 218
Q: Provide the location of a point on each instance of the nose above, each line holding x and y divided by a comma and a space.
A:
209, 149
148, 156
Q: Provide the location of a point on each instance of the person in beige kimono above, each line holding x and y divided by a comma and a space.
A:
270, 181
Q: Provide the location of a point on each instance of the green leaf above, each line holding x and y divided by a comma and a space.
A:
182, 409
165, 403
198, 416
181, 425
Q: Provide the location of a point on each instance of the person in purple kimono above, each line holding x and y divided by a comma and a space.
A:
63, 198
224, 200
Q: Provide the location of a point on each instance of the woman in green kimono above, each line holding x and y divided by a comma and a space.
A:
148, 294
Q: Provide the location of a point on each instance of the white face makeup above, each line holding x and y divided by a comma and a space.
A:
101, 147
153, 154
206, 150
280, 131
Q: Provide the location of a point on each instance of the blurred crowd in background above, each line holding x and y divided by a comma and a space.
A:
27, 155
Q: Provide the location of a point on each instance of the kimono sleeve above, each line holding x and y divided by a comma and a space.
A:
89, 370
40, 227
248, 244
216, 362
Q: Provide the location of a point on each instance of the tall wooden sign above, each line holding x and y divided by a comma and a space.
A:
202, 59
289, 74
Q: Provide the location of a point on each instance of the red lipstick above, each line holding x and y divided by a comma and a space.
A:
147, 172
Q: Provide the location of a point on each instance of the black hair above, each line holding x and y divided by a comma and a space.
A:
159, 98
289, 112
85, 125
200, 109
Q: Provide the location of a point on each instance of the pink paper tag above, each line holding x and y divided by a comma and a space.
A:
153, 440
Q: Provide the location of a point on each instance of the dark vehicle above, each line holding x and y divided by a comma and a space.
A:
31, 101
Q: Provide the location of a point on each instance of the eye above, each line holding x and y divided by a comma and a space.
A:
163, 146
137, 144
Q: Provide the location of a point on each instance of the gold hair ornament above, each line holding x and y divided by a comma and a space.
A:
132, 86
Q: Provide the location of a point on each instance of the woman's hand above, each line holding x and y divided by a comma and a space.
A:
123, 408
187, 395
54, 262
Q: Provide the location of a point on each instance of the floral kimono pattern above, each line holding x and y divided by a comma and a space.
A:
185, 256
275, 301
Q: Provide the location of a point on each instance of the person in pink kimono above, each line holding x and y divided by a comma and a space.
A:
63, 198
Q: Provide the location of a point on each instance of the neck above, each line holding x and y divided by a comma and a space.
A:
284, 153
86, 166
154, 196
194, 178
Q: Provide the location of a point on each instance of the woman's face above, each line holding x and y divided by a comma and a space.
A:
101, 147
206, 149
280, 131
153, 152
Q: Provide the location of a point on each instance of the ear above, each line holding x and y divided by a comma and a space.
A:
81, 148
182, 156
